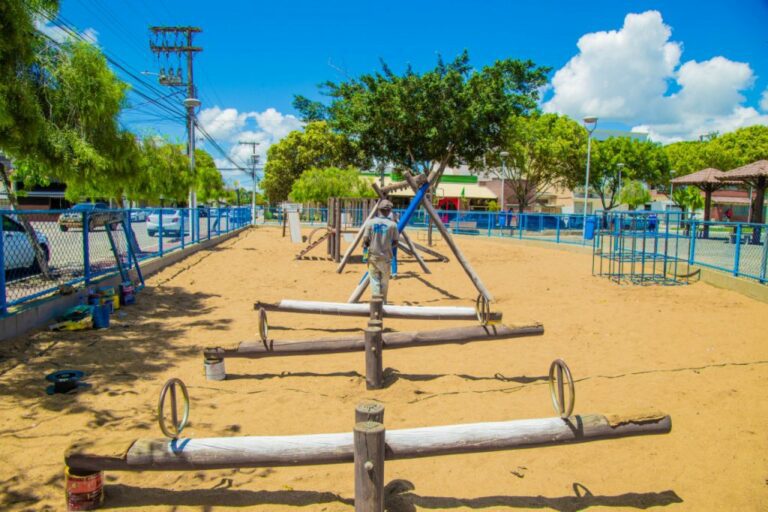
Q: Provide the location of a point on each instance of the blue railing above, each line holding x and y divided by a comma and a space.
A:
75, 255
708, 244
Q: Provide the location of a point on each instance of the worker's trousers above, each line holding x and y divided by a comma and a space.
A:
379, 271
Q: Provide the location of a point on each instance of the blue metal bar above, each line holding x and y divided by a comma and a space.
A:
3, 305
763, 264
737, 253
86, 250
692, 244
181, 228
160, 233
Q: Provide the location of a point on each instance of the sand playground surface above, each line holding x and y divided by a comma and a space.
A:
695, 352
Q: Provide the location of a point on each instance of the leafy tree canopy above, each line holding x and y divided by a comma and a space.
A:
450, 113
316, 146
318, 185
635, 194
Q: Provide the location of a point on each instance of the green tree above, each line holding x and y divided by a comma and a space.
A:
629, 158
542, 149
318, 185
437, 118
162, 172
208, 180
316, 146
634, 194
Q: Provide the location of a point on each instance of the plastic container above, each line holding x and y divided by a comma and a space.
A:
589, 228
101, 316
214, 369
127, 293
84, 491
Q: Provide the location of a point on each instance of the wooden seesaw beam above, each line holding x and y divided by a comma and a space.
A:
301, 450
391, 340
390, 311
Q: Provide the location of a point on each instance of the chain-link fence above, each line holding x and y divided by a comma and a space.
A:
43, 250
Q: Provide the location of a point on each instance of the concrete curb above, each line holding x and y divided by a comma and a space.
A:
42, 312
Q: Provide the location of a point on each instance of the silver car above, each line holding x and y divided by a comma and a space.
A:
172, 221
17, 249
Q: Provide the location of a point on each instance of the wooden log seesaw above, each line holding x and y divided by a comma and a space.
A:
374, 339
367, 446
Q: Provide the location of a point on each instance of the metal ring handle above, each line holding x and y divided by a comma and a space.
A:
177, 426
560, 372
483, 310
263, 327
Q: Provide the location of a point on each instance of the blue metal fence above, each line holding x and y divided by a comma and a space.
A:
738, 248
76, 255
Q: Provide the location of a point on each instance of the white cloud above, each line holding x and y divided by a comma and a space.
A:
230, 127
764, 101
60, 35
634, 76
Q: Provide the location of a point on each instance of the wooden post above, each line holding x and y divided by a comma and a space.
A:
369, 410
369, 466
337, 241
374, 364
449, 240
377, 307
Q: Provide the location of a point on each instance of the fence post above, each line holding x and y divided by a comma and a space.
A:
160, 232
737, 253
86, 251
227, 228
692, 244
520, 224
489, 216
181, 228
3, 298
558, 218
129, 229
208, 223
369, 446
763, 264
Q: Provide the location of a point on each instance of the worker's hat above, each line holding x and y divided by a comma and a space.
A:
385, 204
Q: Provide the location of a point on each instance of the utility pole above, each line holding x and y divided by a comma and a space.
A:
254, 162
178, 41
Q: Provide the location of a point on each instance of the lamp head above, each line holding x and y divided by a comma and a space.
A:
590, 120
504, 154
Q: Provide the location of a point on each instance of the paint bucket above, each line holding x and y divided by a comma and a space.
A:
127, 295
84, 489
115, 302
101, 316
214, 369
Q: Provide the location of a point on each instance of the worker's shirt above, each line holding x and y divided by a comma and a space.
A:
380, 235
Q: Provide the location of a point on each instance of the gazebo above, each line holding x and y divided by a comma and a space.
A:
754, 175
708, 180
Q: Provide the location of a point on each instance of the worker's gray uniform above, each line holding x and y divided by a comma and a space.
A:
380, 236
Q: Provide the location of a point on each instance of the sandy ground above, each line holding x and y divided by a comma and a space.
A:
695, 352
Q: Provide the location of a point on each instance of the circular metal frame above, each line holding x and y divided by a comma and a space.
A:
177, 427
566, 409
263, 327
483, 310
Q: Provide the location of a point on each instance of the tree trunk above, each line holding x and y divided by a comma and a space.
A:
31, 236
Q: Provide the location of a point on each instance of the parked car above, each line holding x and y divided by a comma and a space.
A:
138, 215
171, 221
99, 215
202, 211
17, 249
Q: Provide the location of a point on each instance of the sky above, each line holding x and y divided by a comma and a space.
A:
675, 69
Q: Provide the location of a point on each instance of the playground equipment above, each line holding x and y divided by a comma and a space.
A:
345, 215
374, 339
642, 248
367, 446
420, 186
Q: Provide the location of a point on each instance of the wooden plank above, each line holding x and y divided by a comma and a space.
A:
390, 341
299, 450
414, 253
390, 311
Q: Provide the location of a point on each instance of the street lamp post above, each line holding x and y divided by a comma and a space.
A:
590, 123
503, 155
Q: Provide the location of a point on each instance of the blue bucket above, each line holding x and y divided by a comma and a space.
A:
101, 316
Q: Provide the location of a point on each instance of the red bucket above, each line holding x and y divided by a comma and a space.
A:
84, 489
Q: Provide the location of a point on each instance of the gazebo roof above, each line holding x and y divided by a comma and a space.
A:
702, 177
745, 172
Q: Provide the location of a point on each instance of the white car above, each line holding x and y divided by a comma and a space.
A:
17, 250
172, 221
138, 215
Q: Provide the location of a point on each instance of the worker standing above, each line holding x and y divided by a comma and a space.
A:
380, 237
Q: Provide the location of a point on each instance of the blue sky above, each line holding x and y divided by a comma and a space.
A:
676, 69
